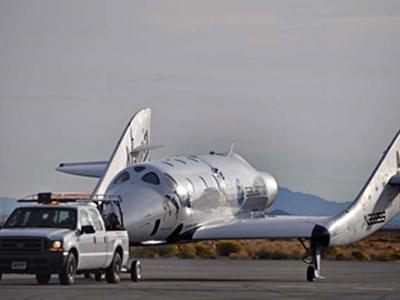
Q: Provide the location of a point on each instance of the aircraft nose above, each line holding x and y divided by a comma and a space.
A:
271, 185
141, 205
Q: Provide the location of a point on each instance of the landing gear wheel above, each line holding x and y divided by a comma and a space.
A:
136, 271
98, 276
310, 274
113, 272
43, 278
87, 275
67, 274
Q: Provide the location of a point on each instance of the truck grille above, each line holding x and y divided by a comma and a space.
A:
22, 245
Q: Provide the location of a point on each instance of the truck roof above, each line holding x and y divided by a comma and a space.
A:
63, 205
69, 199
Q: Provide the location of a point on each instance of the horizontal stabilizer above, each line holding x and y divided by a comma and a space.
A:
144, 148
395, 180
94, 169
269, 227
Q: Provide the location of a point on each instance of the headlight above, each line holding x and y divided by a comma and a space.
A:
56, 246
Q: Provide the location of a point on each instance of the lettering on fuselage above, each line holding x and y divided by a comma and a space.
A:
239, 192
375, 218
255, 191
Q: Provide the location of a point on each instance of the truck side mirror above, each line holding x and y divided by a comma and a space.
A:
87, 229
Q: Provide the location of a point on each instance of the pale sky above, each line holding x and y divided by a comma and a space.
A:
307, 90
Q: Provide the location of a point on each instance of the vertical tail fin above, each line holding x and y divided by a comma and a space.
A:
131, 148
377, 203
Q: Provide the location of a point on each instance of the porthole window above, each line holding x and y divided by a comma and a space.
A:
139, 168
217, 182
191, 186
204, 182
193, 158
152, 178
180, 160
121, 178
170, 181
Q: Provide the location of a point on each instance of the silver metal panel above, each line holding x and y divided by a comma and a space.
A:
94, 169
268, 227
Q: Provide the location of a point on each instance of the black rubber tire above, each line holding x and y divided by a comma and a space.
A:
1, 276
98, 276
43, 278
87, 275
310, 274
136, 271
113, 272
68, 272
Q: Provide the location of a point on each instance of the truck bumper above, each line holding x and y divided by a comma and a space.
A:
46, 262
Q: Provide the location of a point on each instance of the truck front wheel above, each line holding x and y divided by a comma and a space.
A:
67, 274
113, 272
43, 278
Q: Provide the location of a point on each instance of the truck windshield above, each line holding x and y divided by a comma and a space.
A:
42, 217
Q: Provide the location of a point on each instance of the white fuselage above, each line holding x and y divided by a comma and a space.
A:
163, 199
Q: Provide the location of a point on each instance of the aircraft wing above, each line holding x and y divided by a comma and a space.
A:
284, 227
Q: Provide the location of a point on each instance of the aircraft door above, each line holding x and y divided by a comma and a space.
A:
171, 206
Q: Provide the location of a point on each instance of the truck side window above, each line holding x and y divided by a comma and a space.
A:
111, 217
97, 224
84, 218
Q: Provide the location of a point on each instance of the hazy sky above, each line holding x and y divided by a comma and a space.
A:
307, 90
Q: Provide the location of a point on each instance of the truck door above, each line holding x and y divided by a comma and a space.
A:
86, 242
100, 238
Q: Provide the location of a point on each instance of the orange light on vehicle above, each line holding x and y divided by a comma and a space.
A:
56, 249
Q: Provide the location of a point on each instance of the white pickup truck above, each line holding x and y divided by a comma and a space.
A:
65, 236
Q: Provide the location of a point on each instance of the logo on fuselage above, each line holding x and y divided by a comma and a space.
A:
239, 192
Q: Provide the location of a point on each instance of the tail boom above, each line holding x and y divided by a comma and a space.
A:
377, 203
132, 147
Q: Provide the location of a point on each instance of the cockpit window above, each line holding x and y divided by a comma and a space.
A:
139, 168
152, 178
122, 178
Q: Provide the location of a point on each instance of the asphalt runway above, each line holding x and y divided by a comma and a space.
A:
223, 279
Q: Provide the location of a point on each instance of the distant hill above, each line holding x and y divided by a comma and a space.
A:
7, 205
297, 203
279, 212
288, 202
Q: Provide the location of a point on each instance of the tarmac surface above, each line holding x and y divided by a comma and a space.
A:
223, 279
